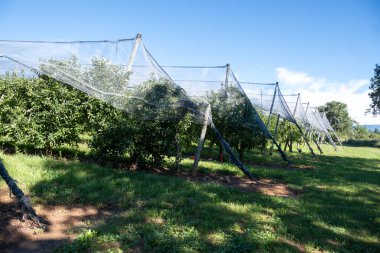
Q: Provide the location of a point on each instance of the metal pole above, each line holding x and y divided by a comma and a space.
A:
201, 141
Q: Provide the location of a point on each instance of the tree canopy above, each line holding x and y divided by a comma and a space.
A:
337, 114
375, 92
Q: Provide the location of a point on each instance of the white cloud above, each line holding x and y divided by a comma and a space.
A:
318, 91
291, 77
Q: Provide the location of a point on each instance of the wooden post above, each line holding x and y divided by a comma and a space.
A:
227, 75
275, 134
271, 108
201, 141
295, 108
134, 51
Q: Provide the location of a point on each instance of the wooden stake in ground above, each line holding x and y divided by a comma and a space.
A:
26, 208
201, 141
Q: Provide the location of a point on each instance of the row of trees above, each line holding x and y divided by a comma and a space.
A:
160, 121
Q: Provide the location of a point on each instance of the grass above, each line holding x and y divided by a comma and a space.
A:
338, 210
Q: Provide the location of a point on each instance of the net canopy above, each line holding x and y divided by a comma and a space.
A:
299, 112
327, 122
325, 128
268, 98
218, 83
330, 128
124, 74
121, 72
213, 84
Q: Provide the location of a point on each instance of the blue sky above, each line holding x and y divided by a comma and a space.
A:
326, 50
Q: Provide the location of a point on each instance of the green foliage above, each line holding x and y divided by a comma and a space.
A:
288, 134
360, 132
234, 116
39, 111
375, 92
155, 126
337, 114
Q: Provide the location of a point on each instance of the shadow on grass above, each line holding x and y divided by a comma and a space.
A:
362, 143
336, 212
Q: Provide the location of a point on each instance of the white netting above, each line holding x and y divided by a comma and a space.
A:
219, 83
327, 122
325, 129
298, 111
124, 74
121, 73
215, 84
267, 98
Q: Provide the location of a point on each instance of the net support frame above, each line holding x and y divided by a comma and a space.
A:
275, 134
304, 136
197, 155
134, 51
312, 134
271, 107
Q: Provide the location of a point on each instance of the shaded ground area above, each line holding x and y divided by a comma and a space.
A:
168, 211
19, 236
26, 236
264, 186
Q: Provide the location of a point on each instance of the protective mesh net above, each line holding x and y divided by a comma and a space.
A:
327, 122
220, 87
299, 112
268, 99
121, 73
124, 74
330, 128
325, 129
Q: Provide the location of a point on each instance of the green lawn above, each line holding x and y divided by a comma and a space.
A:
337, 211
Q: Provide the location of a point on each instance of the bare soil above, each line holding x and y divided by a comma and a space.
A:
19, 236
264, 186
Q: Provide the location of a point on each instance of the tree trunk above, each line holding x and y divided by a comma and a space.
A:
241, 153
221, 153
48, 150
178, 148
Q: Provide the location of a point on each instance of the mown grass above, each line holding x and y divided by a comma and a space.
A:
337, 211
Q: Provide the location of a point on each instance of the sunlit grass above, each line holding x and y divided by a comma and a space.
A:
338, 209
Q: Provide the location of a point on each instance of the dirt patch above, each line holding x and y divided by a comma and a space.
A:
297, 246
18, 236
264, 186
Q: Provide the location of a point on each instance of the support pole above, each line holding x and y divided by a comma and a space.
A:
134, 51
26, 207
271, 107
234, 159
336, 136
201, 141
275, 134
295, 108
227, 75
316, 143
304, 136
306, 141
